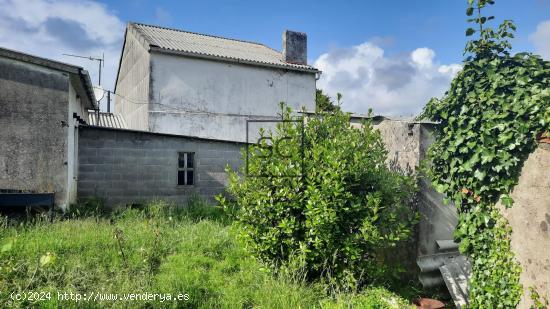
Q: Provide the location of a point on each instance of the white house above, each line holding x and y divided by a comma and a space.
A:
178, 82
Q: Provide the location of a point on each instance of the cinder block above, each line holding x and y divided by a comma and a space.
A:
85, 168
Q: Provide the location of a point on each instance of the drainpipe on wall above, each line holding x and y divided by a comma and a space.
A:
97, 115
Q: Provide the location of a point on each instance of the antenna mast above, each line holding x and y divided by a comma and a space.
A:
101, 63
100, 60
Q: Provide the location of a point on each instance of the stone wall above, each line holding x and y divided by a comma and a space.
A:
529, 218
124, 166
402, 141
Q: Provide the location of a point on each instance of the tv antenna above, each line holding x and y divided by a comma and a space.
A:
100, 60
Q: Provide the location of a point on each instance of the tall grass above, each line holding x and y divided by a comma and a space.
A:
159, 248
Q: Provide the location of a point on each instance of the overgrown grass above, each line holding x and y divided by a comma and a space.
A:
161, 249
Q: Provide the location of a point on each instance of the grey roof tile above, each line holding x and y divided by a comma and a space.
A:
107, 120
190, 43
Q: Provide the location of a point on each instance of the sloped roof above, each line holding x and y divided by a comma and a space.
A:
107, 120
208, 46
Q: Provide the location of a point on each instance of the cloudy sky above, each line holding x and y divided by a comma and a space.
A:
392, 56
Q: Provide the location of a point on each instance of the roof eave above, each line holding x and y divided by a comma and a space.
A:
88, 87
153, 48
78, 71
120, 58
45, 62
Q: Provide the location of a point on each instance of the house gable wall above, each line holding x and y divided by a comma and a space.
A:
132, 85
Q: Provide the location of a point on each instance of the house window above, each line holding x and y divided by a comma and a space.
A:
186, 168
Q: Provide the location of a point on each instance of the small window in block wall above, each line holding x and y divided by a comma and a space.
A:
186, 168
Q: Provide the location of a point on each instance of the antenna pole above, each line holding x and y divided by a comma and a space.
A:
100, 72
109, 101
100, 60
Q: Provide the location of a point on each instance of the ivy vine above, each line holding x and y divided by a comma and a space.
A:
489, 119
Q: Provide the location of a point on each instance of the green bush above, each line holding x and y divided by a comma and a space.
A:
324, 201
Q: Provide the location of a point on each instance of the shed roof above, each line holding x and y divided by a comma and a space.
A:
106, 120
213, 47
81, 76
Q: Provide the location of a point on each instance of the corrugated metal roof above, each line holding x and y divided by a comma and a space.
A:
190, 43
107, 120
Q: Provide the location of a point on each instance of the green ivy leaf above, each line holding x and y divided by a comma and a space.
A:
507, 201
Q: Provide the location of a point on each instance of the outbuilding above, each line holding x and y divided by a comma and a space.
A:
42, 104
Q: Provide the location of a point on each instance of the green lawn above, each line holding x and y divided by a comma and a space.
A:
192, 253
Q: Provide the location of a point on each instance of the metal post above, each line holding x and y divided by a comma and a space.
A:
100, 73
108, 101
101, 62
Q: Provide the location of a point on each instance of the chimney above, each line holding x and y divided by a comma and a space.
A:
295, 47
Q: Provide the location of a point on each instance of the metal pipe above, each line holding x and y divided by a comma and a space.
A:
108, 101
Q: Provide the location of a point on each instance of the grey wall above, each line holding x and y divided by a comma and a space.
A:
437, 219
402, 141
33, 132
407, 143
123, 166
213, 99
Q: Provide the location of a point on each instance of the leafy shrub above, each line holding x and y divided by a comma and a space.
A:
331, 206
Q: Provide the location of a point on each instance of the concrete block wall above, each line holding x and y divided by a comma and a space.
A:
124, 166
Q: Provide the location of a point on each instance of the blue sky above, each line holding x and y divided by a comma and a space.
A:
403, 24
392, 56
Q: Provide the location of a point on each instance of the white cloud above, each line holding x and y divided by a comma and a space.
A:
423, 57
541, 39
395, 86
50, 28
